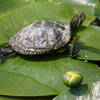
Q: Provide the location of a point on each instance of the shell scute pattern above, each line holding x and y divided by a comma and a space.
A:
41, 37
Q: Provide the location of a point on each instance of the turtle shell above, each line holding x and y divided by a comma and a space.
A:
39, 38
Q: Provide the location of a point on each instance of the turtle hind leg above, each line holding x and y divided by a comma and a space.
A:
5, 50
5, 53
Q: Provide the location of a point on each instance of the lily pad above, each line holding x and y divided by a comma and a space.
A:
88, 47
20, 85
47, 70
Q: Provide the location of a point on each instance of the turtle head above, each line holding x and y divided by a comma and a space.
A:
76, 22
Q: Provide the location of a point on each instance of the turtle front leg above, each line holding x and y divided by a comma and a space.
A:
71, 52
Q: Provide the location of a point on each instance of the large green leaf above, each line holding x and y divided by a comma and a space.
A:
88, 47
47, 70
20, 85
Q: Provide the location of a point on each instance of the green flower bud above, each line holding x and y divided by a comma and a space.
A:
73, 78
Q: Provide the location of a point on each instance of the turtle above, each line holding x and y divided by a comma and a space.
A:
45, 37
